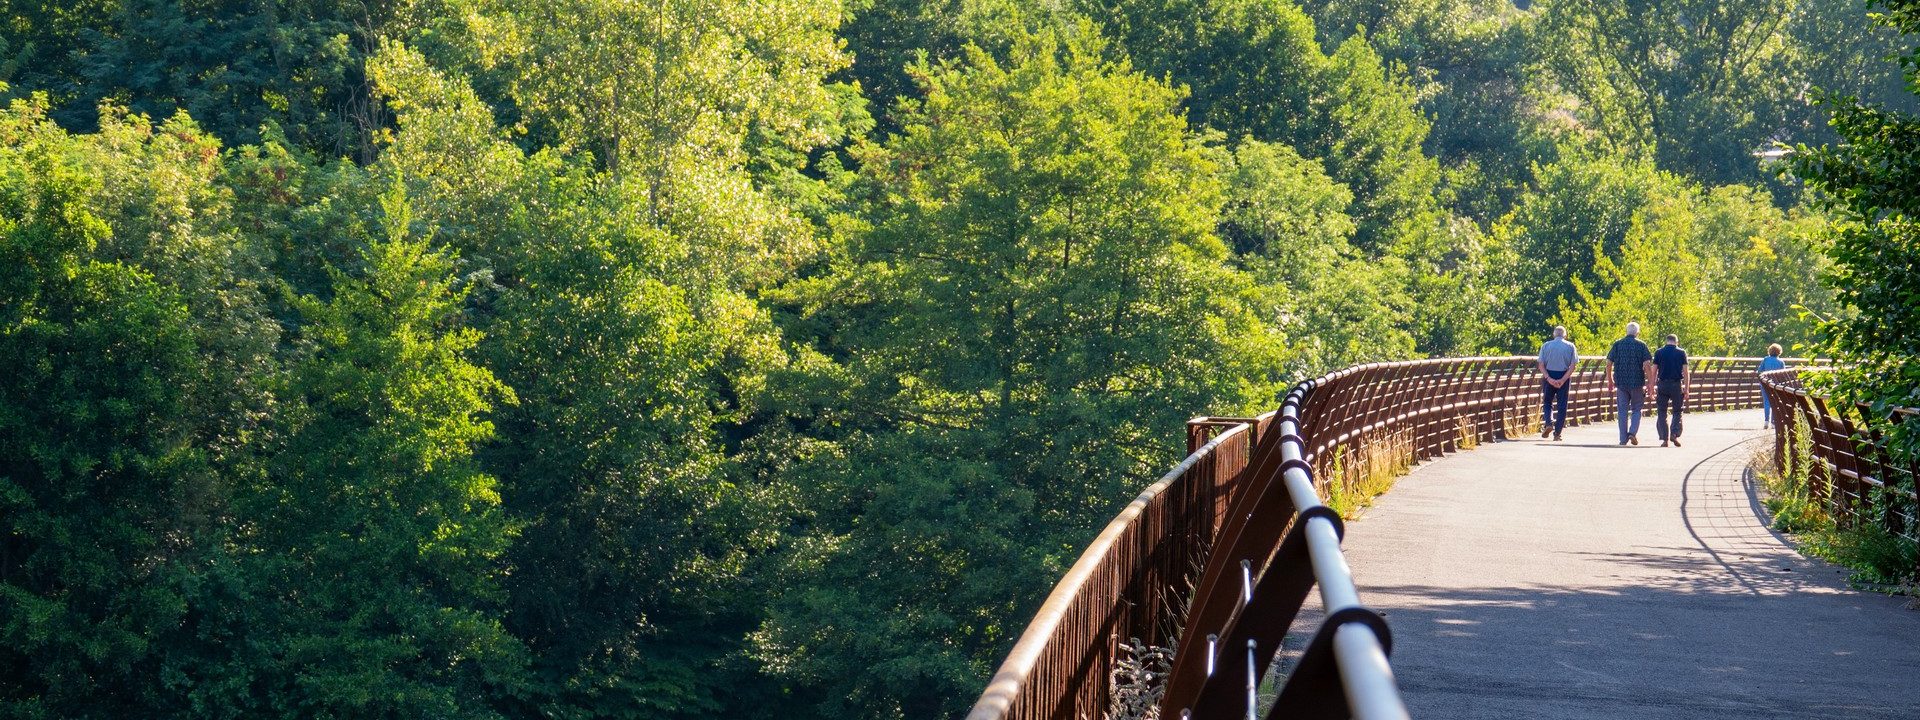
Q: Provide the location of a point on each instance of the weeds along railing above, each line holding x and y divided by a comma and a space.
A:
1227, 547
1850, 462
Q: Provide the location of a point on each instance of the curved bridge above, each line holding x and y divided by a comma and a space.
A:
1221, 557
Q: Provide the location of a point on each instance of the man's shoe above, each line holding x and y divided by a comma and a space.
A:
1556, 437
1545, 433
1634, 438
1676, 442
1663, 443
1623, 443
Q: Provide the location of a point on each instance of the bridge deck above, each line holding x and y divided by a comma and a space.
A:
1584, 580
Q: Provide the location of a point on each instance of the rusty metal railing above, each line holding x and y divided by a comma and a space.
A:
1850, 461
1278, 543
1226, 548
1432, 407
1129, 583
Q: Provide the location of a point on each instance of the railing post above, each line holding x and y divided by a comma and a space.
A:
1781, 418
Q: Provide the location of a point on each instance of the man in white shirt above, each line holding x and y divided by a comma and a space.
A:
1557, 358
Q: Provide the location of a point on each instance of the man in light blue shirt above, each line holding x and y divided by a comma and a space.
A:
1557, 358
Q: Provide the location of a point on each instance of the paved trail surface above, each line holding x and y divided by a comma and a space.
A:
1580, 579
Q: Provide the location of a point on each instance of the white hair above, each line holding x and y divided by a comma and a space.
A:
1559, 332
1633, 329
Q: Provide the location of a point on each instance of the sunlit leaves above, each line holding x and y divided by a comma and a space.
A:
646, 86
377, 539
1040, 289
1694, 83
1872, 183
114, 417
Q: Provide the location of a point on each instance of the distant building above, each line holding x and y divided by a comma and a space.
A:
1773, 155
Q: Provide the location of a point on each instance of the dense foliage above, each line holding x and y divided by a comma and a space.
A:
1871, 184
579, 358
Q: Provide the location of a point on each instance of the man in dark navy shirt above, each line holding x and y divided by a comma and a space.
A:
1676, 378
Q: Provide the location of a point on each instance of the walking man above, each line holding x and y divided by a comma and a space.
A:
1676, 380
1557, 357
1629, 362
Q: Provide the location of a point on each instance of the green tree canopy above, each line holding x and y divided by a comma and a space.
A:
1658, 281
235, 67
630, 352
1255, 69
1040, 289
377, 476
1693, 83
1871, 182
103, 455
1576, 210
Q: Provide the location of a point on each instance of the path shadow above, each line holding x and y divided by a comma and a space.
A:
1733, 624
1681, 650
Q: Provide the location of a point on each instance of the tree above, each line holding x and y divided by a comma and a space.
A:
1378, 131
373, 548
713, 109
233, 66
1040, 297
633, 366
1840, 50
1252, 66
1872, 189
103, 464
1288, 224
885, 38
1691, 83
1577, 210
664, 85
1283, 206
1256, 70
1723, 268
142, 350
1468, 61
1764, 266
1658, 281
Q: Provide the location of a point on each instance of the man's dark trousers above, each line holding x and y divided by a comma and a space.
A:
1669, 392
1553, 401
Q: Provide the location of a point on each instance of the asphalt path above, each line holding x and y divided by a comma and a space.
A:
1581, 579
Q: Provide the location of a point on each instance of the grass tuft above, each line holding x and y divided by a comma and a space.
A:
1466, 433
1139, 679
1521, 420
1359, 473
